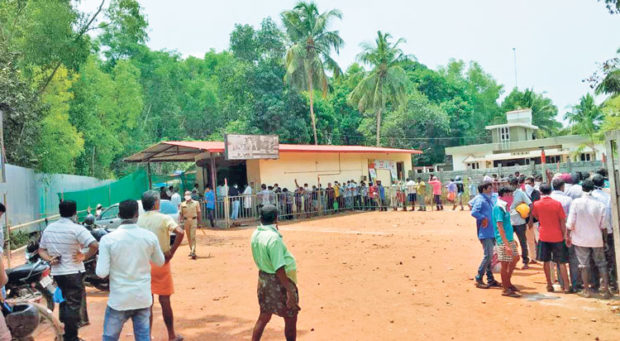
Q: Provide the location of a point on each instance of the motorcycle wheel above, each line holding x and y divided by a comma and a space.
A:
50, 328
38, 295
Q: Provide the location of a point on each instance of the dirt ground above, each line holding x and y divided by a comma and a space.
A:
370, 276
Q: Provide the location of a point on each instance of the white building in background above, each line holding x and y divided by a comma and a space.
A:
514, 143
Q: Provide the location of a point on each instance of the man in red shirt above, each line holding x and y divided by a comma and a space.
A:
552, 230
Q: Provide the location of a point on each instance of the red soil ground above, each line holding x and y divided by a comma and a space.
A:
370, 276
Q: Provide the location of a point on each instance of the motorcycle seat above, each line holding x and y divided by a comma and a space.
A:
21, 272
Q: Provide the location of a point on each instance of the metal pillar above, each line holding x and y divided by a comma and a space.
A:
148, 174
612, 142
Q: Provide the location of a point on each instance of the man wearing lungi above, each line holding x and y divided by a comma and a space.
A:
161, 276
277, 276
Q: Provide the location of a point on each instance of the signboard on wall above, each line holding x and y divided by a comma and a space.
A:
251, 147
387, 164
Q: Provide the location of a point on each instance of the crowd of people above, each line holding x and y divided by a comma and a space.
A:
562, 220
412, 194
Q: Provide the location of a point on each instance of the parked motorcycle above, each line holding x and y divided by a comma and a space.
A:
32, 321
90, 277
31, 283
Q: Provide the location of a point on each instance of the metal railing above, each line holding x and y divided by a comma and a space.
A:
230, 210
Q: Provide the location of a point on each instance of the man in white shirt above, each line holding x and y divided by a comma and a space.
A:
411, 193
61, 245
573, 264
126, 256
587, 225
175, 198
247, 199
604, 198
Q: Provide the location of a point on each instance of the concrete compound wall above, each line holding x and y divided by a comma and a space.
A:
478, 174
32, 196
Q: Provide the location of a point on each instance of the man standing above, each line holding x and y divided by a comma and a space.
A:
436, 184
506, 247
233, 193
482, 210
61, 246
610, 252
189, 215
331, 197
552, 232
558, 194
460, 191
421, 194
587, 225
518, 222
124, 256
411, 193
247, 199
210, 205
381, 192
175, 198
161, 274
277, 276
263, 196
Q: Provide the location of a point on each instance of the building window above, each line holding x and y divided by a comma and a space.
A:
473, 165
553, 159
504, 133
585, 157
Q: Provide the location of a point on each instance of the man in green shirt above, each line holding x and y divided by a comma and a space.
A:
277, 276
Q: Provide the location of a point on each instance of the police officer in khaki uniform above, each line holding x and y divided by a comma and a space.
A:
190, 218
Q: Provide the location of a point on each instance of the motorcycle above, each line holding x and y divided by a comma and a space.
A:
32, 321
31, 283
90, 277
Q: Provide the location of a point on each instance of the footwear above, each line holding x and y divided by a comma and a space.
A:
193, 256
510, 293
550, 288
587, 293
533, 262
480, 284
513, 288
525, 267
494, 284
605, 294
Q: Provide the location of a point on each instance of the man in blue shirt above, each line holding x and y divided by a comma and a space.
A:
482, 209
210, 204
382, 201
506, 247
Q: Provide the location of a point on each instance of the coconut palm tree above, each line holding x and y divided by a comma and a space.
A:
586, 119
386, 82
309, 55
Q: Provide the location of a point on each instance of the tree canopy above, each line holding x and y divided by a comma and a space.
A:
78, 96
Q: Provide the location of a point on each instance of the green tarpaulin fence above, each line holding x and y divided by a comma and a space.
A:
129, 187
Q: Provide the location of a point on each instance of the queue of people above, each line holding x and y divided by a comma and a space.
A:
563, 221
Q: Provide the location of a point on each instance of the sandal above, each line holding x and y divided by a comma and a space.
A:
178, 338
494, 284
550, 288
513, 288
510, 293
606, 295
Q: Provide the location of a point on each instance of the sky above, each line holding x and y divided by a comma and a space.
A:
557, 43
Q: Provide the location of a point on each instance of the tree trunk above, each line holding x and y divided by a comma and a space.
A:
379, 127
311, 92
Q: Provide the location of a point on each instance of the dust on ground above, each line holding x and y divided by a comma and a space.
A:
369, 276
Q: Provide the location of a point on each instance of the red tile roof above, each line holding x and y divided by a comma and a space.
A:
185, 150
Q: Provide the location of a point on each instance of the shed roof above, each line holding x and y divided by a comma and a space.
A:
184, 151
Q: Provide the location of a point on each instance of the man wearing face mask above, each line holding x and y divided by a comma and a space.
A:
190, 216
61, 245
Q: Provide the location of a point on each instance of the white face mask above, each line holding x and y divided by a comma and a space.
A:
188, 197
